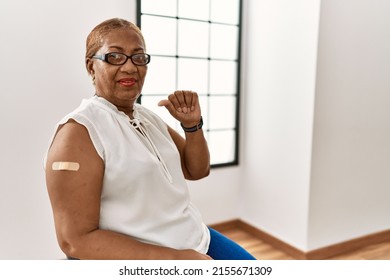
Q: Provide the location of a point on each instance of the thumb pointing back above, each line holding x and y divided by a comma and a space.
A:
167, 104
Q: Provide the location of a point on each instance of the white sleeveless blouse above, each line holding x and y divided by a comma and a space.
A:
145, 195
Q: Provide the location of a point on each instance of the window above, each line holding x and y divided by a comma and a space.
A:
195, 45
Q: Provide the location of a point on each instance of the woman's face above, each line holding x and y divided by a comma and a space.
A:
119, 84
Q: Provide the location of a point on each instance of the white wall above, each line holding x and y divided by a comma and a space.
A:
42, 78
280, 77
350, 185
317, 130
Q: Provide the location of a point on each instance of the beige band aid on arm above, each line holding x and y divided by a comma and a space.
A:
65, 165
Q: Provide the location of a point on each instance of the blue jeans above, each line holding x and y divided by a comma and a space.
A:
222, 248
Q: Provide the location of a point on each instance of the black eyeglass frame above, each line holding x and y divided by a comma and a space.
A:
104, 57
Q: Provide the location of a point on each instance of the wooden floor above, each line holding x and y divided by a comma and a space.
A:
265, 251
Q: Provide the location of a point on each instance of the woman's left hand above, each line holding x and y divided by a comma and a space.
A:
184, 106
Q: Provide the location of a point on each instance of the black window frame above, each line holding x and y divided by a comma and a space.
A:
235, 161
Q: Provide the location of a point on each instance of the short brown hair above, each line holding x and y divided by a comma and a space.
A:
95, 37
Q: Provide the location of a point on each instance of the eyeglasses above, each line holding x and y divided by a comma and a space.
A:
114, 58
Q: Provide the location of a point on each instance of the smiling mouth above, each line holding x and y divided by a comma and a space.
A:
127, 82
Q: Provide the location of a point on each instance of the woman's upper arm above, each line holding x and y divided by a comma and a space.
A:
74, 194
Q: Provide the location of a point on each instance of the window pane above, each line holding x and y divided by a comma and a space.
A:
224, 41
194, 9
162, 42
225, 11
160, 7
194, 46
193, 38
221, 146
161, 76
204, 105
222, 112
193, 74
223, 77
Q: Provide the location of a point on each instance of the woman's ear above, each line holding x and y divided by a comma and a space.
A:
91, 72
89, 65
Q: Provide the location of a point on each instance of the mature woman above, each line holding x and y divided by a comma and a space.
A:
116, 173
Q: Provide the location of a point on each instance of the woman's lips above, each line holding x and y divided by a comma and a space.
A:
128, 82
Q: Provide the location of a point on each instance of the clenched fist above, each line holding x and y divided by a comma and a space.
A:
184, 106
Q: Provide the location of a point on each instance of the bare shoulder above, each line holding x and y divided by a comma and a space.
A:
72, 140
72, 145
69, 135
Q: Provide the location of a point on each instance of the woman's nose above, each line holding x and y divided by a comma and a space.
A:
129, 66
